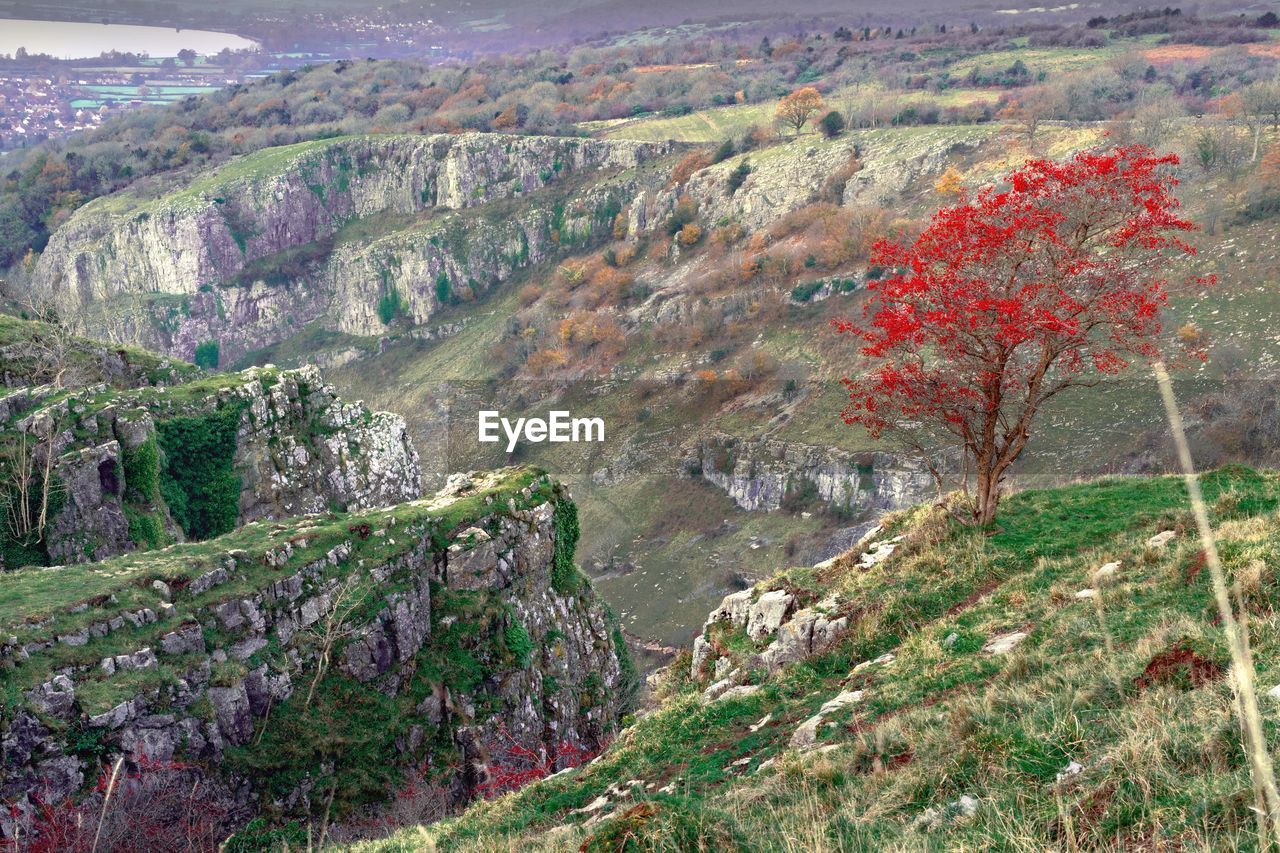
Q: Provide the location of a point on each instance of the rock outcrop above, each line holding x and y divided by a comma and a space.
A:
270, 444
764, 474
456, 619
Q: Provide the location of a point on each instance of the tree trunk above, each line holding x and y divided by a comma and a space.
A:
986, 496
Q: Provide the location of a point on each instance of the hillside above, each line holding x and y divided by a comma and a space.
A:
1059, 683
306, 669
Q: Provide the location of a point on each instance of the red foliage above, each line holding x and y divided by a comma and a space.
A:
157, 806
1046, 283
512, 765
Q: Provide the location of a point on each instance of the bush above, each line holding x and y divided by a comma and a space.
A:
518, 644
444, 290
738, 176
832, 124
198, 481
392, 304
565, 578
689, 235
1267, 207
142, 472
805, 292
207, 355
686, 212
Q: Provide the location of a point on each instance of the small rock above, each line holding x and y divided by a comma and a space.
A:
951, 640
162, 589
1274, 693
1162, 539
1087, 593
738, 692
594, 806
1005, 643
1073, 768
1106, 570
764, 721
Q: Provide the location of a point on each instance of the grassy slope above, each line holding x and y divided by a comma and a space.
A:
1162, 764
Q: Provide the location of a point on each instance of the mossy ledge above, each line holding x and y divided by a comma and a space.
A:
209, 653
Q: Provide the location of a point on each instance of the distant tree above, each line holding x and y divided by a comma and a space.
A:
738, 176
832, 124
949, 183
1268, 20
1008, 300
1033, 106
1207, 149
796, 109
206, 355
188, 56
1269, 168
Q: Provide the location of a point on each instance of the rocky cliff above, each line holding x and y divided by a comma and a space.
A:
767, 474
310, 661
143, 467
357, 232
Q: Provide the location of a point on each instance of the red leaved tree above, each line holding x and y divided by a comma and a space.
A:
1046, 283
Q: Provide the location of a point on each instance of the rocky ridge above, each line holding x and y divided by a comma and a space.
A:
354, 231
184, 653
275, 443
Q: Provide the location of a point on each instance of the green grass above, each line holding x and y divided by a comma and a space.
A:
1163, 763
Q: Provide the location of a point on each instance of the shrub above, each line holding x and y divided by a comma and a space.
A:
804, 292
738, 176
207, 355
831, 124
518, 643
142, 471
444, 291
392, 305
198, 481
686, 211
692, 162
1264, 208
689, 235
565, 578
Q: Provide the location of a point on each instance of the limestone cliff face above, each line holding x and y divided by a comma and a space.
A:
457, 617
356, 231
291, 447
760, 474
873, 171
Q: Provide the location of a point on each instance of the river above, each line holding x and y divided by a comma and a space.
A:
65, 40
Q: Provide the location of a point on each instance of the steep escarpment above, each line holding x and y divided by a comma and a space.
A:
360, 231
312, 661
94, 471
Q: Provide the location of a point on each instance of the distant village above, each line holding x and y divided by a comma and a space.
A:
46, 98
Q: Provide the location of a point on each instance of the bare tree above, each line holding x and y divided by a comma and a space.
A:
335, 626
